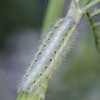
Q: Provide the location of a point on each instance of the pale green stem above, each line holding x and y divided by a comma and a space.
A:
95, 13
53, 11
94, 29
97, 24
91, 4
33, 96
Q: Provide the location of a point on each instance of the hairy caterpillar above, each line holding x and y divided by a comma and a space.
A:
54, 46
51, 52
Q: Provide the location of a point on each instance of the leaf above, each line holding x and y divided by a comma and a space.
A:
81, 3
95, 12
97, 24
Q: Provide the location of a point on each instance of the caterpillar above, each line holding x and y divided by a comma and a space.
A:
50, 54
54, 46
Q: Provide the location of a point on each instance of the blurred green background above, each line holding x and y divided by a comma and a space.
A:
20, 27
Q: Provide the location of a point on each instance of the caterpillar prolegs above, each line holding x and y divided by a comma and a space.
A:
51, 52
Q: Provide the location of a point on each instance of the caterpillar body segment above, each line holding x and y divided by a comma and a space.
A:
50, 54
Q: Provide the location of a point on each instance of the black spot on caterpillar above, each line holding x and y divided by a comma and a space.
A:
54, 47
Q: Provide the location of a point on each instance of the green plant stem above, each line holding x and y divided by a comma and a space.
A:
97, 24
76, 4
53, 11
93, 28
91, 4
26, 96
97, 12
33, 96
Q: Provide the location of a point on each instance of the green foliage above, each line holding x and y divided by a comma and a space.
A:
94, 25
95, 12
81, 3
